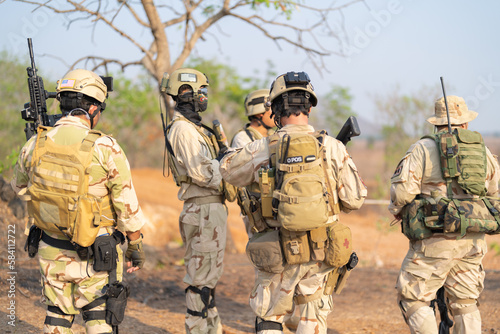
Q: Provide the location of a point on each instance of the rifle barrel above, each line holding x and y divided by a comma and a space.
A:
446, 105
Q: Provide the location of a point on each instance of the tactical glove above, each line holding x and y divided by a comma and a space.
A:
135, 253
222, 152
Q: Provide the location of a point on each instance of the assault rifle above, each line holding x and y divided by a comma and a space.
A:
35, 111
349, 129
446, 322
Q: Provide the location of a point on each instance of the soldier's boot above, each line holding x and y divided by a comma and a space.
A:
267, 327
57, 322
202, 314
95, 319
466, 316
419, 316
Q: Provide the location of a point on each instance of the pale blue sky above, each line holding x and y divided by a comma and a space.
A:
390, 42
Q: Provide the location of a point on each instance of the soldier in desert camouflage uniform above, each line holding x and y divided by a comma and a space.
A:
202, 223
442, 259
70, 283
260, 126
275, 294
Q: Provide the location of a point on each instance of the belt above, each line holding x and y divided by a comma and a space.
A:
205, 200
57, 243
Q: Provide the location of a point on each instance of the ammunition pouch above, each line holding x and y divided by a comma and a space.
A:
33, 241
116, 302
250, 207
425, 216
295, 246
264, 251
339, 246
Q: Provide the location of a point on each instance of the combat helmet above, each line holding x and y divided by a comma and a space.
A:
255, 102
291, 81
193, 78
84, 82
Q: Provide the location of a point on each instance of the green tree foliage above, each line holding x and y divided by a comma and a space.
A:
333, 109
13, 94
403, 116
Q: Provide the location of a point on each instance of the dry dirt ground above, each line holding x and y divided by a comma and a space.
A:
367, 305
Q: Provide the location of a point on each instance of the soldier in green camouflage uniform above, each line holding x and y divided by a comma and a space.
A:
69, 283
202, 222
275, 295
442, 259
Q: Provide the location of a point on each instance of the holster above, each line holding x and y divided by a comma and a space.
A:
117, 293
33, 240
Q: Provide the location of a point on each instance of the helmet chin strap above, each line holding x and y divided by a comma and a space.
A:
267, 127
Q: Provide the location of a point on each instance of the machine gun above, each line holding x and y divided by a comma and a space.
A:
349, 129
35, 111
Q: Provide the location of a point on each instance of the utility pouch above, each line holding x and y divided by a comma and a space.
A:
317, 242
33, 241
105, 254
472, 215
295, 246
88, 219
264, 251
339, 245
266, 186
413, 223
116, 302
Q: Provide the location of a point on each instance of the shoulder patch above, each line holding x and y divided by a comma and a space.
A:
398, 170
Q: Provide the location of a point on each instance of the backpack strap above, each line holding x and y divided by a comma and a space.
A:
334, 205
89, 140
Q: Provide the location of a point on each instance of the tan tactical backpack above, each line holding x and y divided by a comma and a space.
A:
59, 201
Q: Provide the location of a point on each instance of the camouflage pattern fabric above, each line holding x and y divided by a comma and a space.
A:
70, 283
272, 296
110, 171
203, 230
194, 159
64, 275
202, 227
437, 261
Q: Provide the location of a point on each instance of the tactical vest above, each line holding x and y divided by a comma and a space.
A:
59, 201
462, 158
210, 140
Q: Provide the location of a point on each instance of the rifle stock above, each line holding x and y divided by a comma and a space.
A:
349, 129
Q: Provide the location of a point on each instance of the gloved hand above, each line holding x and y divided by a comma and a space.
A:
135, 253
222, 152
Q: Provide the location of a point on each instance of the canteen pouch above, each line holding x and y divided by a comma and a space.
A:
295, 246
116, 302
339, 245
413, 220
264, 251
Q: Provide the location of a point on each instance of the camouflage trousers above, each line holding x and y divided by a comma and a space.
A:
203, 230
276, 296
442, 260
70, 283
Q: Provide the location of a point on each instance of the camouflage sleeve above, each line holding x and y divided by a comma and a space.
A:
493, 174
20, 177
407, 178
240, 139
240, 166
193, 154
351, 189
120, 186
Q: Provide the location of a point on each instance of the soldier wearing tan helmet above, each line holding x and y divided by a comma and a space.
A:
81, 199
305, 178
260, 126
437, 205
192, 154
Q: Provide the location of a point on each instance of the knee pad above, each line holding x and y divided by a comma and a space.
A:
262, 325
205, 294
